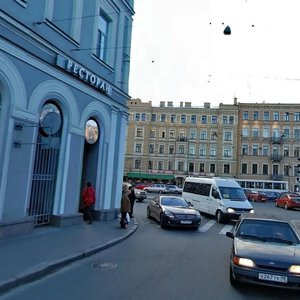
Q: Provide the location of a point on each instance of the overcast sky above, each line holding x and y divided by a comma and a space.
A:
180, 53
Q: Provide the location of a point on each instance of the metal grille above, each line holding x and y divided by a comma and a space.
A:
185, 217
43, 182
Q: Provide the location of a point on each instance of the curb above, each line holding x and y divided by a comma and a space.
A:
41, 270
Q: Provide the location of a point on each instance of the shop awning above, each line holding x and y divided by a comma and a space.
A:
150, 175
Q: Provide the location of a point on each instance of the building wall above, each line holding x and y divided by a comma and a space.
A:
47, 57
263, 140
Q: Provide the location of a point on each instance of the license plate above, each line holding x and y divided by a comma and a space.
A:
186, 222
271, 277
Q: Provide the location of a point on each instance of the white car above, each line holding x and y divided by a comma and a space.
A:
156, 188
174, 189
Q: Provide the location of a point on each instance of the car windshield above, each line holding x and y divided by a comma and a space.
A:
267, 231
173, 201
232, 193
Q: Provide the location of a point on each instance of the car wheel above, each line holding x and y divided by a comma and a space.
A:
148, 213
220, 216
233, 281
162, 222
286, 206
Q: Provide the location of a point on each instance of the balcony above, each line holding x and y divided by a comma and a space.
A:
276, 177
276, 157
182, 139
277, 140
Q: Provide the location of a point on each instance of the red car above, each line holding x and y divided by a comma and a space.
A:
256, 196
142, 185
288, 200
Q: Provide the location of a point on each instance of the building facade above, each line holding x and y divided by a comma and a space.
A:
170, 143
246, 141
64, 68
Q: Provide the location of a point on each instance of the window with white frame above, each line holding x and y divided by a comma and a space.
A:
171, 149
137, 117
255, 115
160, 165
139, 132
245, 132
213, 151
276, 116
163, 117
286, 151
202, 167
203, 135
265, 169
214, 119
227, 151
102, 36
225, 120
193, 133
202, 151
192, 150
193, 119
153, 117
137, 164
266, 116
152, 133
172, 133
204, 119
143, 117
173, 118
151, 148
245, 149
244, 168
254, 168
226, 169
265, 150
161, 149
296, 116
228, 136
180, 166
138, 148
255, 132
255, 149
231, 120
181, 149
150, 165
265, 132
245, 115
170, 166
183, 118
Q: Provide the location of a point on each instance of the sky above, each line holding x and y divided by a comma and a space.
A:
179, 52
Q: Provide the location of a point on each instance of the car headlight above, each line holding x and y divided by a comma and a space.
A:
243, 262
251, 211
169, 214
295, 269
198, 214
230, 210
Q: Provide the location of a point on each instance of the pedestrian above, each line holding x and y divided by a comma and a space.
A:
125, 207
132, 200
88, 199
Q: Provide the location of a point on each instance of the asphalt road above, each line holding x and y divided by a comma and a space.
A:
157, 264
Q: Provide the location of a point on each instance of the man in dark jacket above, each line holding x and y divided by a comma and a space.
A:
132, 199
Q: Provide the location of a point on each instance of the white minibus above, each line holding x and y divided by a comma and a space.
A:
221, 197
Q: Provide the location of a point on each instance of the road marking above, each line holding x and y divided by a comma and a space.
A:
207, 225
226, 228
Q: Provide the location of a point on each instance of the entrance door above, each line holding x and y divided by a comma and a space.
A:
45, 165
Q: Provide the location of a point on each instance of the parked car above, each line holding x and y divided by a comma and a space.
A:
173, 211
288, 200
256, 196
156, 188
271, 196
265, 251
142, 185
174, 189
140, 195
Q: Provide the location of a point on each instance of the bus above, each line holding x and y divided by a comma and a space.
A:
271, 188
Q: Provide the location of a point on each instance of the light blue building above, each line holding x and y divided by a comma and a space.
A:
64, 68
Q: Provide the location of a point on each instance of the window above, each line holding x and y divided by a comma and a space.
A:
193, 119
201, 167
171, 149
161, 149
150, 165
143, 117
255, 150
172, 134
191, 167
203, 135
153, 118
231, 120
254, 168
192, 150
137, 164
202, 151
213, 152
204, 119
137, 117
152, 133
180, 166
245, 132
173, 118
181, 149
193, 134
102, 36
163, 134
170, 166
227, 152
255, 116
266, 116
297, 134
245, 115
297, 116
286, 116
138, 148
226, 169
139, 132
227, 136
151, 148
296, 151
265, 150
255, 133
286, 170
214, 119
244, 168
286, 133
245, 149
183, 119
212, 168
286, 151
225, 120
160, 165
163, 117
265, 169
276, 116
266, 132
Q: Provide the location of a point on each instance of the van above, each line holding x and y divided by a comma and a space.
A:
220, 197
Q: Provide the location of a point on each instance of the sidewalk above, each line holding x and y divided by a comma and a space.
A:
27, 258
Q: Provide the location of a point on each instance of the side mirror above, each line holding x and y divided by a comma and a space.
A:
229, 234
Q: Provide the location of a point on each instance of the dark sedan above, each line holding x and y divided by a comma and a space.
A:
173, 211
265, 251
